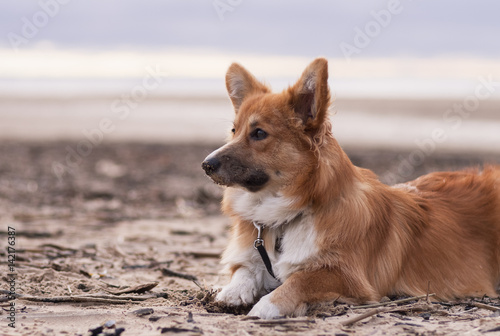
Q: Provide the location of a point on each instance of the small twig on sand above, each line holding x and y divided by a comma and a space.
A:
167, 272
492, 330
382, 304
282, 321
36, 234
59, 299
196, 255
58, 247
83, 298
109, 284
177, 330
199, 286
365, 315
152, 264
378, 308
485, 306
121, 297
135, 289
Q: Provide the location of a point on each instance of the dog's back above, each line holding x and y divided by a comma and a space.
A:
458, 251
439, 233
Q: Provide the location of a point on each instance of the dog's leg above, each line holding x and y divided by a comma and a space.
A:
302, 288
244, 288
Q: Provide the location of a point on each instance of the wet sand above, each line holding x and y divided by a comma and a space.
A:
445, 125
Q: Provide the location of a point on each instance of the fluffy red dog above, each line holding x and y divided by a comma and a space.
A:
332, 230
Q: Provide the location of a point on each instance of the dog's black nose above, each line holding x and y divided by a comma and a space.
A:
210, 165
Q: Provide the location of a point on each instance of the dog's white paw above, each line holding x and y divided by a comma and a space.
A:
239, 291
265, 309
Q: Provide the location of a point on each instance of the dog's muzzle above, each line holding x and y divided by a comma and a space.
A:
227, 170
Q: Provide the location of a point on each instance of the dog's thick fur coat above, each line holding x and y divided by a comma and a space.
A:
341, 232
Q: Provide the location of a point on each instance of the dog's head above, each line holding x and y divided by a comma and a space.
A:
275, 135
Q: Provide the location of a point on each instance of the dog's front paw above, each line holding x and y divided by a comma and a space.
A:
238, 293
265, 309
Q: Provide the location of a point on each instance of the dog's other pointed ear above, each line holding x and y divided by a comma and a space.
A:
310, 95
240, 84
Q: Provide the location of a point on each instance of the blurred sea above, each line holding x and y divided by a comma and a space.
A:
374, 113
380, 88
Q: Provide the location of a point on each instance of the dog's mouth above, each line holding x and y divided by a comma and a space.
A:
256, 181
230, 172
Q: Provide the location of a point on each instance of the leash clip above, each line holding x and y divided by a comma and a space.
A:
258, 244
259, 241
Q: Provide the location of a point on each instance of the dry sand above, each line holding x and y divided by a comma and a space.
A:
130, 214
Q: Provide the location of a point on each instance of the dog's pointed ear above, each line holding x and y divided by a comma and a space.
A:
240, 84
310, 96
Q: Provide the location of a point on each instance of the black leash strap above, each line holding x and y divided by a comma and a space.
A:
258, 244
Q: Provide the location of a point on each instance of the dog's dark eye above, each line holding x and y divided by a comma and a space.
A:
233, 130
258, 134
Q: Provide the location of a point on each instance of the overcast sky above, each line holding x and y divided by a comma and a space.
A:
421, 28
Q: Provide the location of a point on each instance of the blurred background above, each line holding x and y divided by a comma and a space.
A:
402, 72
108, 108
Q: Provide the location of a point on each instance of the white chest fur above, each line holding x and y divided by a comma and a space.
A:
268, 209
298, 244
294, 228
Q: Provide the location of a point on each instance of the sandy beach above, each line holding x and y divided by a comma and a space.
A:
116, 225
130, 237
